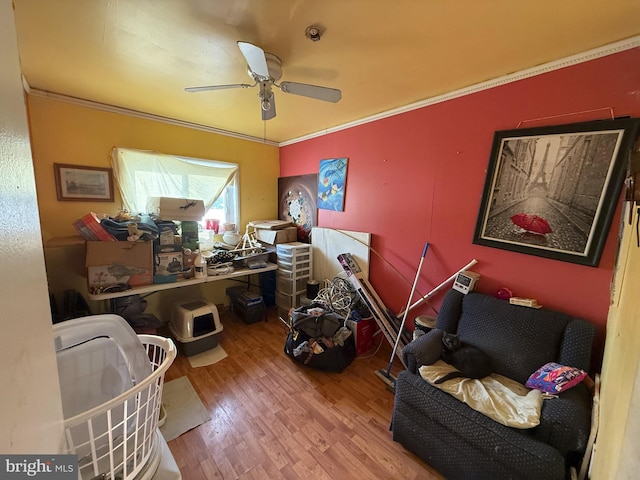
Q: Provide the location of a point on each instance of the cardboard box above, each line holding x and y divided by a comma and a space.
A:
273, 237
168, 263
363, 334
183, 209
270, 224
168, 232
190, 234
111, 263
173, 248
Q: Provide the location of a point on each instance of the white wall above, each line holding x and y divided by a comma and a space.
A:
30, 404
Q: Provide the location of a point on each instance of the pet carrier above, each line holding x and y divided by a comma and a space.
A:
111, 384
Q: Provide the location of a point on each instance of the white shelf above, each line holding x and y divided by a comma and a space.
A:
156, 287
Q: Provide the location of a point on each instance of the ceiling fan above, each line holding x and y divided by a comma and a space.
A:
266, 69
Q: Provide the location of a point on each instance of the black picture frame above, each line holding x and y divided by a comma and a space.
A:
569, 176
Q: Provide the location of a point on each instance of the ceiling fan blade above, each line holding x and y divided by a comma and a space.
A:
313, 91
255, 59
217, 87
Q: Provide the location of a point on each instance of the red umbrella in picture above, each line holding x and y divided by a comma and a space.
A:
531, 223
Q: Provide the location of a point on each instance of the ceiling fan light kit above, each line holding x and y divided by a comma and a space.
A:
266, 70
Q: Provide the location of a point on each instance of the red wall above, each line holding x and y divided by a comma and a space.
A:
418, 177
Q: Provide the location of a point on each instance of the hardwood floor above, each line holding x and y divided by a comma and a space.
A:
274, 419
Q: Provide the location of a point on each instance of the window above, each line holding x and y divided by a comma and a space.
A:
143, 174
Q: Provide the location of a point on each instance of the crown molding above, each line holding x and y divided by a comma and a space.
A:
587, 56
134, 113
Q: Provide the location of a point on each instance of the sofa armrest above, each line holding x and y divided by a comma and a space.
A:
577, 344
424, 350
565, 421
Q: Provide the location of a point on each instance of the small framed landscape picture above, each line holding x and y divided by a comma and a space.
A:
79, 183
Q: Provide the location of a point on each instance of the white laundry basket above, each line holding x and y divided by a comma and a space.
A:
111, 383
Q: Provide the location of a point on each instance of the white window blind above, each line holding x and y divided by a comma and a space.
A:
142, 174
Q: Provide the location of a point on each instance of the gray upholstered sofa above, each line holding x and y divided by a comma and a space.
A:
464, 444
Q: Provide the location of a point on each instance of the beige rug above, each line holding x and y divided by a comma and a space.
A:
183, 408
208, 357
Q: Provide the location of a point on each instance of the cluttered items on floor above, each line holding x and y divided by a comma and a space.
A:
320, 339
132, 308
247, 305
331, 330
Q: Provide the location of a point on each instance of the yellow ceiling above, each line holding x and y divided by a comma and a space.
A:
382, 55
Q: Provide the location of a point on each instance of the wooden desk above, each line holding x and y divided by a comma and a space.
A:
156, 287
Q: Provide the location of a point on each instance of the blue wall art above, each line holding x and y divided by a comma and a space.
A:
332, 180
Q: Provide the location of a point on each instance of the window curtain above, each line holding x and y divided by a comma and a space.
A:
142, 174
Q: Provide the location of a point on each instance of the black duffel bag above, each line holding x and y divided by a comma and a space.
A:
320, 341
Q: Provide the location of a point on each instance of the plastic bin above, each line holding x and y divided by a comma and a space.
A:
294, 266
111, 384
295, 256
293, 248
286, 302
289, 285
289, 274
195, 325
247, 305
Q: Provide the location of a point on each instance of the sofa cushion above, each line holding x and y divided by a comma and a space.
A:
499, 398
518, 339
464, 444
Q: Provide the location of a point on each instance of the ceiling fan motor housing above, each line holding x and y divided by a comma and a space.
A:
274, 65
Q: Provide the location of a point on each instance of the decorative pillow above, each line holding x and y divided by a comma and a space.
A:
555, 378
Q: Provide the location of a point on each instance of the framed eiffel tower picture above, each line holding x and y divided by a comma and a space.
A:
552, 191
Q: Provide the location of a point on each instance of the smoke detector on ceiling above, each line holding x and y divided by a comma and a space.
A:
314, 32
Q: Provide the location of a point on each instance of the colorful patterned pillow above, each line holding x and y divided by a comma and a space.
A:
555, 378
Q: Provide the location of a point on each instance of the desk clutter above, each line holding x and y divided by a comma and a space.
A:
169, 245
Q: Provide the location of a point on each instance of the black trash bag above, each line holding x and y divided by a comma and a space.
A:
320, 341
